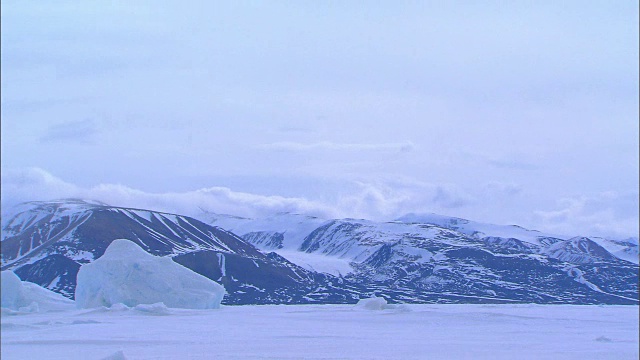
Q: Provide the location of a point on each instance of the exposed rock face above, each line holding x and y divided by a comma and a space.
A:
414, 259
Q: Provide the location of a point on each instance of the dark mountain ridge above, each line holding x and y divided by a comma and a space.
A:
411, 260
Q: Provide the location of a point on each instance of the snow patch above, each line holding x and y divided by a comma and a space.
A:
223, 264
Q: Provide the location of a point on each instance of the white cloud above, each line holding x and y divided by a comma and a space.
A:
20, 185
443, 119
605, 214
392, 198
495, 188
37, 184
406, 146
380, 200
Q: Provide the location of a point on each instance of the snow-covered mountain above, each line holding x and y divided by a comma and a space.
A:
47, 242
297, 232
437, 258
287, 229
290, 258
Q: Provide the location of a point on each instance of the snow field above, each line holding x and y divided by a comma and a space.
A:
327, 332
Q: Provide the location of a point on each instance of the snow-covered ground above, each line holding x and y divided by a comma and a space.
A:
326, 332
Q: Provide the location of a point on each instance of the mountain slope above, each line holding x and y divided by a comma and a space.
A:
47, 242
336, 261
622, 249
436, 258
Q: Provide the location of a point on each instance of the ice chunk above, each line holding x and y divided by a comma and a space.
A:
127, 274
118, 307
603, 339
379, 303
24, 296
374, 303
153, 309
119, 355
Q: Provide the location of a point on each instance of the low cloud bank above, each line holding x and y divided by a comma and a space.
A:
37, 184
371, 200
608, 214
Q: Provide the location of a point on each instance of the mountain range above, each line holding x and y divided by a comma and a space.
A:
296, 259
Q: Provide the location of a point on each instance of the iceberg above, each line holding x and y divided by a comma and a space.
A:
119, 355
380, 303
23, 296
129, 275
374, 303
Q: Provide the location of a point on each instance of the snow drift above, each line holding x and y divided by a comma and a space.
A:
127, 274
24, 296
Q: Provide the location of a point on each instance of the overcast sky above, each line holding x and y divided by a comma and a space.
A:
511, 112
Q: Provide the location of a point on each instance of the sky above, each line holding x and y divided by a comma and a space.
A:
503, 112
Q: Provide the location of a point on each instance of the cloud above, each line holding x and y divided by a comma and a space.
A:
511, 164
295, 130
502, 189
608, 214
406, 146
36, 184
40, 104
380, 200
32, 184
605, 214
83, 131
392, 198
510, 161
